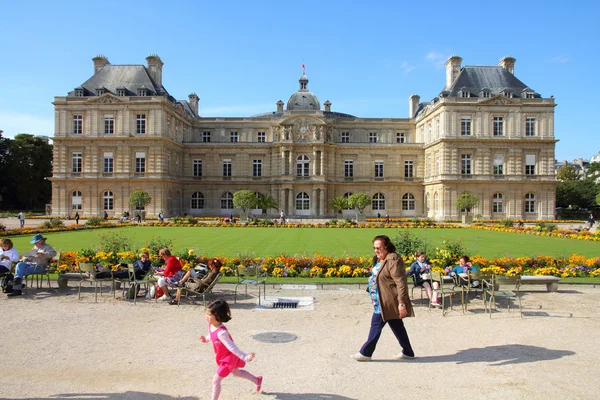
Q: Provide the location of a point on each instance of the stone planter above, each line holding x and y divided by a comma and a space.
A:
467, 219
62, 283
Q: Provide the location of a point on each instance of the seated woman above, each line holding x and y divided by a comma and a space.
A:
8, 255
461, 271
420, 270
142, 267
215, 267
171, 275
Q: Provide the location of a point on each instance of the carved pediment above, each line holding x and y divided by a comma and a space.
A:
499, 100
106, 98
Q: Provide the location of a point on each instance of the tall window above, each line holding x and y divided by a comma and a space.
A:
378, 168
302, 165
498, 164
409, 168
346, 196
109, 200
77, 124
205, 137
345, 137
530, 164
197, 201
140, 124
378, 202
227, 201
529, 126
498, 126
197, 165
408, 202
400, 137
108, 163
256, 168
465, 126
77, 158
529, 203
109, 124
76, 200
262, 137
233, 137
372, 137
348, 168
227, 167
465, 164
497, 203
140, 162
302, 201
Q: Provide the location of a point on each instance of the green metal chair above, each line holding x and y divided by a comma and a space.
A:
250, 276
446, 288
88, 273
134, 281
502, 286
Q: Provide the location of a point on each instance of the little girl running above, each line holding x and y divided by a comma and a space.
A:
229, 358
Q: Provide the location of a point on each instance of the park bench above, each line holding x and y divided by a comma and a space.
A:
551, 282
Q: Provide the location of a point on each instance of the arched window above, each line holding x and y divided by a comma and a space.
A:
227, 201
197, 201
378, 202
346, 196
302, 165
109, 200
76, 200
529, 203
408, 202
302, 201
497, 203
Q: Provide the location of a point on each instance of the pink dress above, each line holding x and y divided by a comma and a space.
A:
226, 360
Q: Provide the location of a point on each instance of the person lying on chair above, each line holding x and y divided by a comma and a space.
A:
200, 286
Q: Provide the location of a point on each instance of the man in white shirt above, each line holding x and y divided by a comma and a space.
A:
22, 218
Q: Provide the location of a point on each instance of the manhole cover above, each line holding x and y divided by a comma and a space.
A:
274, 337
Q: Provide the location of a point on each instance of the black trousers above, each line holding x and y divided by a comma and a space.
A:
397, 326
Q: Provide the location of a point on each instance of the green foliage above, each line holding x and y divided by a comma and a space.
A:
94, 221
52, 223
266, 202
155, 244
567, 173
545, 226
139, 198
359, 201
115, 242
450, 251
466, 201
507, 223
576, 194
244, 200
598, 199
338, 203
408, 243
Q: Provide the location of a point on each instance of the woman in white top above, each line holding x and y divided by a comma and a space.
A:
8, 255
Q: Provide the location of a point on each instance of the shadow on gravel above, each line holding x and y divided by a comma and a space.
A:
112, 396
499, 355
306, 396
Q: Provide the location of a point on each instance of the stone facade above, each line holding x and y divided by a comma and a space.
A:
122, 131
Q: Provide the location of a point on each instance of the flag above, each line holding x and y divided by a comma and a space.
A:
303, 67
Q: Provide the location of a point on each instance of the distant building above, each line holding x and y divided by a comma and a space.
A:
486, 133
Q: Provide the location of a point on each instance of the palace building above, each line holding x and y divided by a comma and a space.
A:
486, 133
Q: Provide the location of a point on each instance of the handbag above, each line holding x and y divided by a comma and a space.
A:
426, 276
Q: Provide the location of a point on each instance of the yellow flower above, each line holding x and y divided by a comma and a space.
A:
191, 252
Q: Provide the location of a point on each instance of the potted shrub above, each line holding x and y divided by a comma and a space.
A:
466, 201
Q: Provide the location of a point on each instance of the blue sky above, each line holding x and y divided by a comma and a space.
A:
241, 57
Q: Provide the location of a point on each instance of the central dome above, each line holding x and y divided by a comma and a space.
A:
303, 99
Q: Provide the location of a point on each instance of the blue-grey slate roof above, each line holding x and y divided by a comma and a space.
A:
494, 78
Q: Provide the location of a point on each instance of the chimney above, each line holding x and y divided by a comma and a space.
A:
194, 102
155, 65
452, 69
99, 62
413, 105
280, 106
327, 105
508, 63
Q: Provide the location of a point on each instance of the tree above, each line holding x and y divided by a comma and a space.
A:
598, 199
466, 201
359, 201
576, 194
139, 199
244, 200
567, 173
265, 202
338, 203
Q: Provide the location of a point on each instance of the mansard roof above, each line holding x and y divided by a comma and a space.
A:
326, 114
494, 78
130, 77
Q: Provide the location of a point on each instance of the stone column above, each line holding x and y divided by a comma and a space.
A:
313, 202
281, 202
291, 202
315, 169
323, 202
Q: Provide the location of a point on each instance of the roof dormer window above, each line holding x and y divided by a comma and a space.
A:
529, 95
142, 92
464, 93
121, 91
79, 92
100, 91
508, 94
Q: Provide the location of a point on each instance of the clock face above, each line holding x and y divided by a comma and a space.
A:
303, 129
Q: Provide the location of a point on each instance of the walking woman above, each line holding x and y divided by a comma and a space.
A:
389, 295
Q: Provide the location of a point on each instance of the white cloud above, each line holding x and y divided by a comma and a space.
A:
435, 58
13, 123
562, 59
406, 67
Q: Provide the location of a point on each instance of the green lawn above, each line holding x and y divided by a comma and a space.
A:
327, 241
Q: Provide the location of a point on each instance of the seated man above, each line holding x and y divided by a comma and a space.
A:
35, 262
200, 286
